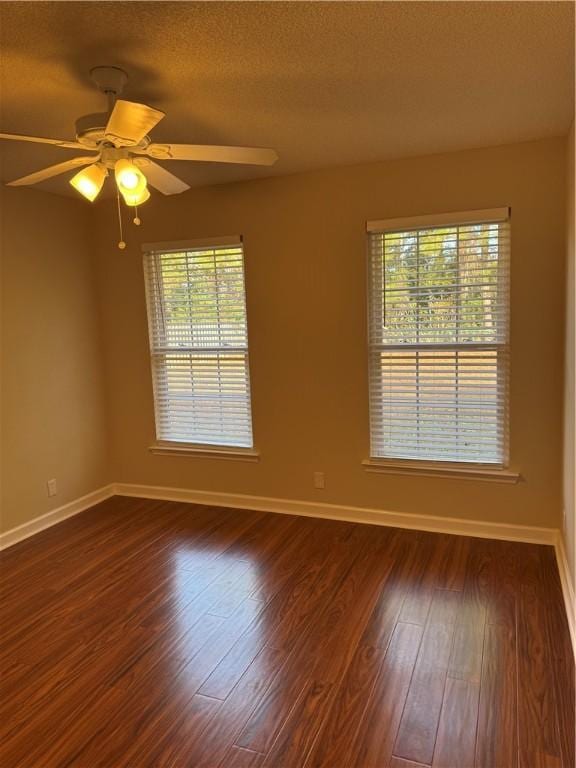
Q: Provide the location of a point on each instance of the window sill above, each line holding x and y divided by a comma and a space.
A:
438, 469
205, 452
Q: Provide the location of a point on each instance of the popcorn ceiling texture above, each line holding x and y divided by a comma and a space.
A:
326, 84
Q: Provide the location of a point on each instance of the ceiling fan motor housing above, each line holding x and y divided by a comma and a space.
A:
90, 129
91, 132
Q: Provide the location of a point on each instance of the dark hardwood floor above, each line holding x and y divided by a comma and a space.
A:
144, 633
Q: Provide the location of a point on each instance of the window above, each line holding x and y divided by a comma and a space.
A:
199, 342
438, 337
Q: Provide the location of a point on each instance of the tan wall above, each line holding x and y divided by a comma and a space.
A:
306, 278
569, 524
52, 406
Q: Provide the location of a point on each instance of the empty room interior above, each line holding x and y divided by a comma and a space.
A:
287, 385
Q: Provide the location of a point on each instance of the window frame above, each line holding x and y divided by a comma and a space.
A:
462, 469
207, 450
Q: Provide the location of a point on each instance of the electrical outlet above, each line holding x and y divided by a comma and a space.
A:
319, 481
52, 488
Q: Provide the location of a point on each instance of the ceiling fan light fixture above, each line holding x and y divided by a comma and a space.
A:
129, 178
139, 198
89, 181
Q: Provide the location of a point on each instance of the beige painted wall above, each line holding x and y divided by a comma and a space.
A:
52, 405
305, 260
569, 523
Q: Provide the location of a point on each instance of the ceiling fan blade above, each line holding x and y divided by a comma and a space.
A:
130, 122
207, 153
53, 170
160, 178
39, 140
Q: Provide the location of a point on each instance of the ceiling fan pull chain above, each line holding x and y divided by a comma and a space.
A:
137, 219
121, 243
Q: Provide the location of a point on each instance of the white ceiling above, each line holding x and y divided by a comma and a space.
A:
323, 83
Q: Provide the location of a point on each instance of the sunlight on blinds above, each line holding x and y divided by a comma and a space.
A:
199, 345
438, 321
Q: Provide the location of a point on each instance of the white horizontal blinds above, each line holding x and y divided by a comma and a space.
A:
439, 305
199, 344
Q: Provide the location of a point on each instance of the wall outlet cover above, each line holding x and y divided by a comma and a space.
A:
319, 480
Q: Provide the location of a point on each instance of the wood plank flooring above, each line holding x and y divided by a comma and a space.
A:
142, 634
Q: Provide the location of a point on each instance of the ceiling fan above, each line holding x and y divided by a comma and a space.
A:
119, 142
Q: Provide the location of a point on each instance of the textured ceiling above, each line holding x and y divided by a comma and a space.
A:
323, 83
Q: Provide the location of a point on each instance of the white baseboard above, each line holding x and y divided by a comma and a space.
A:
567, 588
452, 525
21, 532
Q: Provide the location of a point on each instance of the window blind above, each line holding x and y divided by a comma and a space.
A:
199, 343
439, 338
